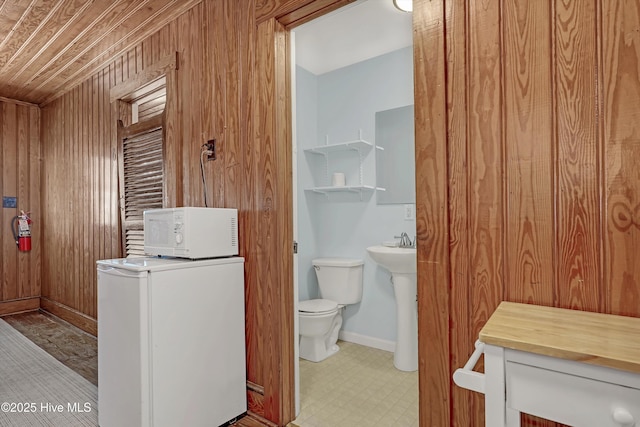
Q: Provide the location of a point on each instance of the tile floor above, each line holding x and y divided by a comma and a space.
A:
72, 346
358, 386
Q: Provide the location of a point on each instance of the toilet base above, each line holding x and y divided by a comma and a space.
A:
314, 350
318, 348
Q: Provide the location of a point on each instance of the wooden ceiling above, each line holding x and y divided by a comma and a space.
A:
49, 46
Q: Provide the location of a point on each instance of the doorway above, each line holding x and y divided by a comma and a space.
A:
343, 224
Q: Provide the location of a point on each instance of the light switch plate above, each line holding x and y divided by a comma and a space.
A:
409, 212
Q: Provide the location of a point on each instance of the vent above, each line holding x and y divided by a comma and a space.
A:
234, 232
135, 242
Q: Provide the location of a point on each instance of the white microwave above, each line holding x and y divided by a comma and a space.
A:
191, 232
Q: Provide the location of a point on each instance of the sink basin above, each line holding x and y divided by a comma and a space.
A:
396, 260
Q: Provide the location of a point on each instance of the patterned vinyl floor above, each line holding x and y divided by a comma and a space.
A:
358, 386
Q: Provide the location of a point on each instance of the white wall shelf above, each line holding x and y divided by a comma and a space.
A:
362, 148
345, 189
359, 145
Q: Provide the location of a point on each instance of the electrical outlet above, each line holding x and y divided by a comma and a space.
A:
409, 213
211, 148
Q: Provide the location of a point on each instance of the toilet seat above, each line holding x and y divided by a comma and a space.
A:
317, 307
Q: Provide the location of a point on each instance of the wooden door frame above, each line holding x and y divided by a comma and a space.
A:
273, 125
432, 210
274, 244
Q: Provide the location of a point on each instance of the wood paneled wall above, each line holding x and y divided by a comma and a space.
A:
527, 166
80, 196
19, 177
80, 175
526, 154
217, 53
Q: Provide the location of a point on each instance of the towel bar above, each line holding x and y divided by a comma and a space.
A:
466, 377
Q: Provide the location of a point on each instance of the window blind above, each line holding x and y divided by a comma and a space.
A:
143, 182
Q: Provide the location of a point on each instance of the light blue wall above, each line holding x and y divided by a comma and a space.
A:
306, 136
338, 104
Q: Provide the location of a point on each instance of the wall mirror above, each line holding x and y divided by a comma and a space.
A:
395, 164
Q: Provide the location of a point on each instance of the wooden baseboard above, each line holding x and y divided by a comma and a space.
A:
255, 405
255, 401
255, 387
19, 306
254, 420
71, 315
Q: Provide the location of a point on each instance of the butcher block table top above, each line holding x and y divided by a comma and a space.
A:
595, 338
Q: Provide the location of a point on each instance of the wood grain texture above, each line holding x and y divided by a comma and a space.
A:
465, 401
82, 138
594, 338
621, 186
249, 218
172, 153
484, 175
81, 220
52, 46
17, 102
209, 95
20, 178
10, 175
270, 9
578, 272
135, 81
515, 103
431, 213
274, 202
311, 11
19, 305
251, 420
284, 222
261, 211
543, 187
529, 143
75, 317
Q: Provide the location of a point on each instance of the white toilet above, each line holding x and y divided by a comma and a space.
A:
340, 282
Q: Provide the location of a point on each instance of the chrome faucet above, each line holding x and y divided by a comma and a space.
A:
405, 240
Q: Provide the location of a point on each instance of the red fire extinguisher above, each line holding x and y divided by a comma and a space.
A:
21, 228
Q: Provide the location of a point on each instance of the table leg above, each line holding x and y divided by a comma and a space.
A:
494, 400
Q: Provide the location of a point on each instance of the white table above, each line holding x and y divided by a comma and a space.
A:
573, 367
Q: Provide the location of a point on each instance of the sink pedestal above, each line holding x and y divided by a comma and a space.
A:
401, 263
405, 357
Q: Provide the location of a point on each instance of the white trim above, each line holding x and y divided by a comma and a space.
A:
367, 341
134, 112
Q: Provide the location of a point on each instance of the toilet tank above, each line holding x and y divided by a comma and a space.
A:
339, 279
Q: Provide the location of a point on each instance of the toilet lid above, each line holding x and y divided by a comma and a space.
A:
317, 306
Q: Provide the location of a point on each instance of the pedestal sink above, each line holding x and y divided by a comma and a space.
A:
401, 262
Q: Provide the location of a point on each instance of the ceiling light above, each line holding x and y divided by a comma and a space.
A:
404, 5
